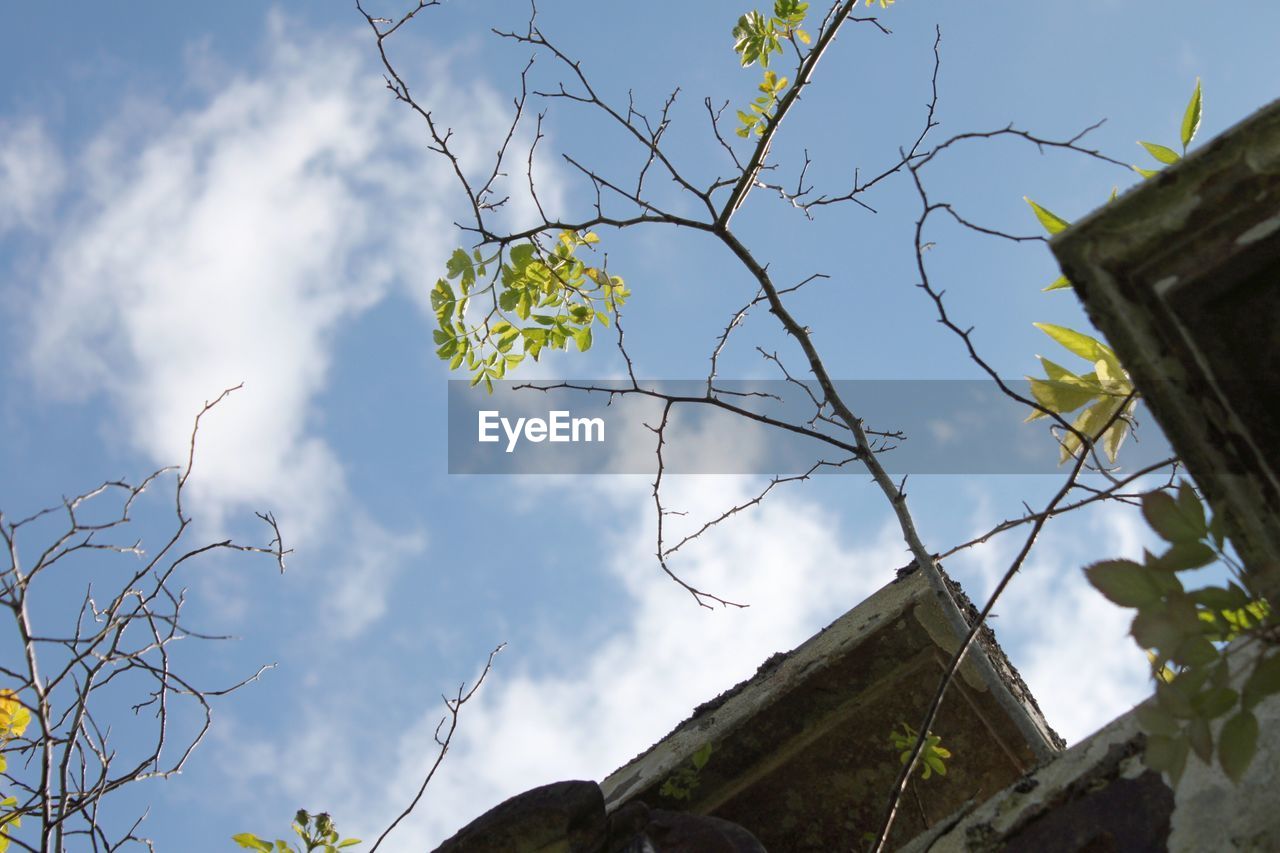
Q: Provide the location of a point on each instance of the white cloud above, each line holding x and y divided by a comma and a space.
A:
232, 240
32, 174
359, 594
1070, 644
787, 559
791, 561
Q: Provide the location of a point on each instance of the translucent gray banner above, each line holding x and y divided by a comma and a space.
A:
756, 427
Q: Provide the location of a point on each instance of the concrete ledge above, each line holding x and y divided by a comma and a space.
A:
1180, 275
1098, 796
800, 752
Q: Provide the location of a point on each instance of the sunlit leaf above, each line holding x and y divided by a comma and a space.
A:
1057, 396
1191, 118
1160, 152
1079, 343
1051, 221
14, 717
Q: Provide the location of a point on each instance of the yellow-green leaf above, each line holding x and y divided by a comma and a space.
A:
1088, 348
1060, 283
1058, 396
1191, 118
1113, 438
1146, 173
1160, 152
1051, 221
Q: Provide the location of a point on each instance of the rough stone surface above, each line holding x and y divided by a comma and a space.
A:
569, 817
563, 817
800, 752
661, 831
1181, 276
1098, 797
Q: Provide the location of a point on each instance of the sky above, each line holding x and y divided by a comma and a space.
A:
228, 194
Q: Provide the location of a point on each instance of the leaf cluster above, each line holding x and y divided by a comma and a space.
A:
1104, 394
14, 719
757, 36
762, 108
683, 781
539, 298
1190, 629
1190, 124
317, 832
933, 755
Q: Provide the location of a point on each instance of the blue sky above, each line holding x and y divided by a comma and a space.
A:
226, 194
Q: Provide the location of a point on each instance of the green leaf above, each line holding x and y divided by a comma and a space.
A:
1214, 702
1195, 651
1051, 221
442, 298
1191, 118
1127, 583
1191, 508
1090, 423
1174, 700
249, 841
1218, 598
583, 338
1088, 348
1264, 681
1156, 720
460, 265
1237, 743
1167, 755
1161, 153
1200, 738
1183, 556
1059, 396
1146, 173
1113, 438
702, 756
1166, 518
1153, 628
1060, 283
